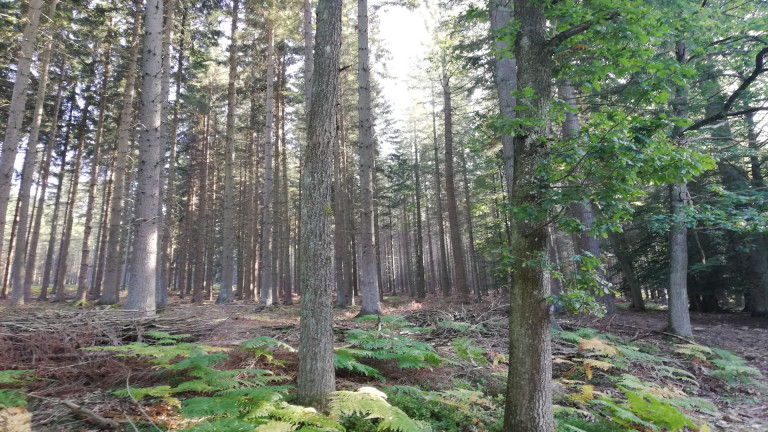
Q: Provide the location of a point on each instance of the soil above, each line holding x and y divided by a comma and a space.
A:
48, 337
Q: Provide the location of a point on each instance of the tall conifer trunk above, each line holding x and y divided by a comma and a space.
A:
316, 376
112, 272
18, 294
420, 284
266, 222
82, 278
368, 274
459, 264
16, 111
45, 168
141, 295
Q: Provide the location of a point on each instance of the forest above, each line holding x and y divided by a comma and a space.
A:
395, 215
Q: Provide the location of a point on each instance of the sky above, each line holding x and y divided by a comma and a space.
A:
405, 35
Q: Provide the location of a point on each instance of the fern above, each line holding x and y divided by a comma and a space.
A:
15, 377
373, 403
465, 350
345, 358
139, 393
657, 412
623, 415
386, 345
732, 368
263, 346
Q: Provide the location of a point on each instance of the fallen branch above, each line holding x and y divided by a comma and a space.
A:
89, 415
659, 332
84, 413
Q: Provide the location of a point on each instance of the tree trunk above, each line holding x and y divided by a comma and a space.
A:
200, 227
368, 279
112, 273
506, 80
473, 269
759, 283
635, 289
285, 238
16, 111
141, 296
18, 294
59, 283
316, 377
228, 207
266, 221
420, 283
34, 235
445, 283
165, 220
82, 279
343, 284
98, 276
450, 196
679, 319
585, 242
529, 383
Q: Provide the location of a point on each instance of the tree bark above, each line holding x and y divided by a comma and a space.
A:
368, 275
343, 284
266, 221
59, 283
165, 220
316, 377
82, 279
34, 235
420, 283
141, 295
457, 248
635, 289
16, 111
679, 198
112, 273
445, 282
228, 213
18, 294
529, 382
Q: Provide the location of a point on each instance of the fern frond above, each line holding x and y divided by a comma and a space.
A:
598, 345
264, 343
598, 364
372, 403
209, 406
586, 394
344, 359
304, 416
276, 426
163, 338
693, 350
623, 415
138, 392
15, 376
657, 412
228, 424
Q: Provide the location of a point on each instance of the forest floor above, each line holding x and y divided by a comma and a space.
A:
72, 389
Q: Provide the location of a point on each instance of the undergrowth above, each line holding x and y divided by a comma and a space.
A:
603, 391
605, 383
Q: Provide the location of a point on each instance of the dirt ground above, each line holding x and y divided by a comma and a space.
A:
48, 338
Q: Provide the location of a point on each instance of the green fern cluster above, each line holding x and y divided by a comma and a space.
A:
642, 405
247, 399
15, 379
388, 342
